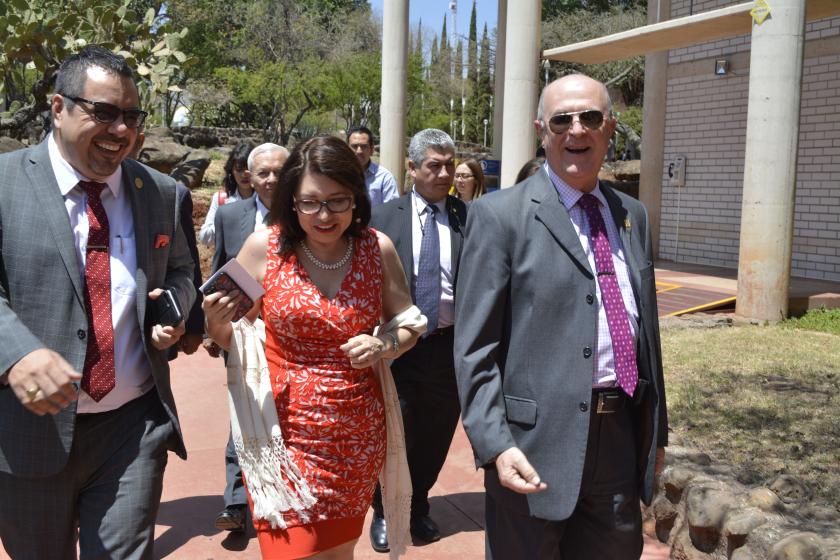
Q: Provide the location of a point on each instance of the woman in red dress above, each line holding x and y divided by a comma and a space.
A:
329, 280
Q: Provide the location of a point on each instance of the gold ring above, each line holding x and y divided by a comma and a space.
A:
32, 392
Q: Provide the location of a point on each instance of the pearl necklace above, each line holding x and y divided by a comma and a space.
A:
328, 266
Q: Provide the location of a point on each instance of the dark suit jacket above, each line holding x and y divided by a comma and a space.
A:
394, 220
522, 328
234, 223
195, 317
41, 297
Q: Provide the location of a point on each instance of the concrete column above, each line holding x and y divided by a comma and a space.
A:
770, 162
522, 58
653, 135
499, 80
394, 78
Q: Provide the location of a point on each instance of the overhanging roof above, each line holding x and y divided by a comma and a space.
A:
675, 33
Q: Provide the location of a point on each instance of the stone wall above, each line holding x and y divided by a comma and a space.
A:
210, 137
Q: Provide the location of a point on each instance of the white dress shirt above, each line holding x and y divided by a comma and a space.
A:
604, 362
262, 214
132, 368
446, 314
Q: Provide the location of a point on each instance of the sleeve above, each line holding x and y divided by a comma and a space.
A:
389, 187
207, 234
219, 255
180, 267
195, 318
479, 328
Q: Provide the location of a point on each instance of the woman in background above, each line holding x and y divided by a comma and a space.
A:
469, 180
235, 186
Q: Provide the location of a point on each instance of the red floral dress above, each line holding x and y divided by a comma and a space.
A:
331, 415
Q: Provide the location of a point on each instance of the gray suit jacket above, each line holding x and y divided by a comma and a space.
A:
525, 314
42, 302
234, 223
394, 220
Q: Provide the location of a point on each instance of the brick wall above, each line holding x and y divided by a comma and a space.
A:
706, 122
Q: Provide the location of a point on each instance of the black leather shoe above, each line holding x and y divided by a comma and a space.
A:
378, 535
232, 518
425, 529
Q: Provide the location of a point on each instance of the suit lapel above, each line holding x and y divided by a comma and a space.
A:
456, 232
404, 242
624, 224
249, 221
555, 218
135, 188
51, 205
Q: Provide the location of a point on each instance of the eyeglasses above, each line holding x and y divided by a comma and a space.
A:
591, 119
334, 205
464, 176
106, 113
355, 147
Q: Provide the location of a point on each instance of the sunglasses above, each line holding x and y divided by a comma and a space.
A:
106, 113
334, 205
591, 119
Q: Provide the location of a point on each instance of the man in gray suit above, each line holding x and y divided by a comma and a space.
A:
426, 221
89, 239
233, 224
557, 347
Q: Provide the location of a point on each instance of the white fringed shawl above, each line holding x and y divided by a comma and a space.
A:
274, 482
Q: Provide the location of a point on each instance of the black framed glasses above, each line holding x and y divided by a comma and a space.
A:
106, 113
334, 205
591, 119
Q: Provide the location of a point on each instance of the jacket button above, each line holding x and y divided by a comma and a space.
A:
587, 352
590, 299
584, 406
81, 334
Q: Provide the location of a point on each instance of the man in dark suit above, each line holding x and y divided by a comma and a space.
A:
557, 346
89, 239
426, 226
234, 223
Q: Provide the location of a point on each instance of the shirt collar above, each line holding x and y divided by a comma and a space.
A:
420, 203
372, 168
261, 208
67, 177
569, 196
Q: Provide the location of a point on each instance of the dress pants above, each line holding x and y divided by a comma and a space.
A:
110, 487
235, 494
425, 381
606, 522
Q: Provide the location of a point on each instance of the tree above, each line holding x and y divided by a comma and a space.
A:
37, 35
472, 50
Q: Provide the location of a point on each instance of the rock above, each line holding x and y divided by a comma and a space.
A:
675, 480
163, 154
819, 513
706, 508
191, 171
765, 500
627, 170
159, 132
789, 488
798, 546
10, 145
665, 515
738, 524
742, 554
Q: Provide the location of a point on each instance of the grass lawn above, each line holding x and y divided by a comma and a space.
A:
763, 399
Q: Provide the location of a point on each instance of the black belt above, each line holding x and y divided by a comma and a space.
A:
609, 400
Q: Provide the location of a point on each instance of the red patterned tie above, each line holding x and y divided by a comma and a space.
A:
98, 375
624, 347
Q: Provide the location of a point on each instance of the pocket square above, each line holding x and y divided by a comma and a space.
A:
161, 241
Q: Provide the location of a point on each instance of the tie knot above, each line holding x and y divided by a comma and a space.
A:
432, 208
92, 188
589, 202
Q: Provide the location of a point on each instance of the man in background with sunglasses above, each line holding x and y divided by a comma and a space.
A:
89, 240
557, 346
233, 224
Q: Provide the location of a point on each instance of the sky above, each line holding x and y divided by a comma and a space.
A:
431, 13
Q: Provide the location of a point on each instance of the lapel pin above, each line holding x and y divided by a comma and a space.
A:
627, 223
138, 182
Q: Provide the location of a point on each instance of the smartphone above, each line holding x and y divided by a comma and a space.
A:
165, 310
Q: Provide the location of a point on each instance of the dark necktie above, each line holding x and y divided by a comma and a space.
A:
624, 347
98, 374
427, 289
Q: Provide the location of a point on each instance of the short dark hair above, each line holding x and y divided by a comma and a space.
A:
361, 130
530, 168
238, 160
72, 74
328, 156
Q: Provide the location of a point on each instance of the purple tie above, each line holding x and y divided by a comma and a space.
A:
624, 347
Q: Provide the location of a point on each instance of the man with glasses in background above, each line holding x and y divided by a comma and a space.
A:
233, 224
381, 186
557, 346
89, 241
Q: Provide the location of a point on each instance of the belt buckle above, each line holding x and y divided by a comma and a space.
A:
608, 403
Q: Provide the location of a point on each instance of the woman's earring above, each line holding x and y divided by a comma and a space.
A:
358, 220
